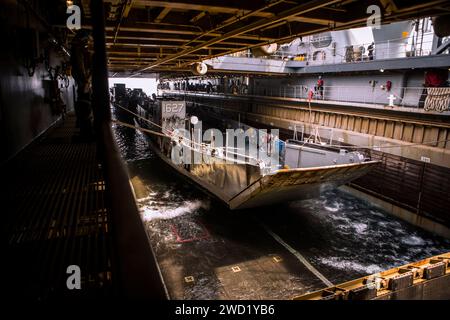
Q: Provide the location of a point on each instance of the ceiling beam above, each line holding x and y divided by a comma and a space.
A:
297, 10
167, 39
401, 15
186, 6
134, 54
237, 13
140, 45
126, 7
389, 6
146, 29
303, 23
198, 17
236, 18
162, 14
128, 59
323, 22
158, 45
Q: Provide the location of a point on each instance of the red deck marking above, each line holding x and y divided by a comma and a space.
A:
180, 239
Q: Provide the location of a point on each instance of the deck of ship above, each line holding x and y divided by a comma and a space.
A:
57, 216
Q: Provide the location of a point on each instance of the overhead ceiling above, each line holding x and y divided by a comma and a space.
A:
154, 36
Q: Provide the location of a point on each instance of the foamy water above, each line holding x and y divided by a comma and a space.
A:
160, 212
343, 237
347, 265
351, 235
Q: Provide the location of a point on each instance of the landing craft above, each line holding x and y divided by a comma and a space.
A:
302, 170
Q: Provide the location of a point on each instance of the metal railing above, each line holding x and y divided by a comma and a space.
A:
393, 48
411, 97
379, 95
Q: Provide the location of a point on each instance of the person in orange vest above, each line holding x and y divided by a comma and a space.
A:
320, 86
310, 94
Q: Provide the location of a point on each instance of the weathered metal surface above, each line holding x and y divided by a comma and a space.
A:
297, 184
26, 111
57, 216
418, 186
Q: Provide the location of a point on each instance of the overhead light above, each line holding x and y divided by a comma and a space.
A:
194, 120
381, 70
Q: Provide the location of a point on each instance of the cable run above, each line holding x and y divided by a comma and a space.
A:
189, 146
139, 128
330, 145
140, 117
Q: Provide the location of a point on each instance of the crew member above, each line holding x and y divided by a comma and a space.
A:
279, 145
320, 87
209, 87
370, 48
81, 71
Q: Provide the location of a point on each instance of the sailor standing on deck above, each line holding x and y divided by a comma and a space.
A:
269, 144
370, 49
279, 149
320, 87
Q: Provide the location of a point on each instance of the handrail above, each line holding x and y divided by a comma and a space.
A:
390, 52
411, 97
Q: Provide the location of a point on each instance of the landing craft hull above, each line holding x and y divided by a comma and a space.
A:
279, 187
241, 186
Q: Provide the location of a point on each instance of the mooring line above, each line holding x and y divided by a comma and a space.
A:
299, 256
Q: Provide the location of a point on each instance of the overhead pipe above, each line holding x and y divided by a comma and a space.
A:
236, 19
126, 7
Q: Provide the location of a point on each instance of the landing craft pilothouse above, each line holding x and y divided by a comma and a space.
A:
245, 167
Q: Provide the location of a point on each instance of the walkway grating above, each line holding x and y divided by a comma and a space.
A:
57, 216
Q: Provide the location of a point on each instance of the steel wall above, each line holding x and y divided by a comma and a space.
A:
417, 186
